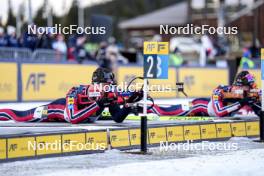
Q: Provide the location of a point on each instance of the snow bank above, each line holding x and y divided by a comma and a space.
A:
247, 162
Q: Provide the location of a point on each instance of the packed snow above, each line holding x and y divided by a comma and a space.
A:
246, 159
248, 162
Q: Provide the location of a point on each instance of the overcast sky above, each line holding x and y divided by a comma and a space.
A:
59, 6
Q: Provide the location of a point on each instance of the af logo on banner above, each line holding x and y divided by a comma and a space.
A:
156, 59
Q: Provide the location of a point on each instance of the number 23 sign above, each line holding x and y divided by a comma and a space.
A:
156, 60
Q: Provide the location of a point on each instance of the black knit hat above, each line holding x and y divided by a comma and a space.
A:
103, 75
244, 78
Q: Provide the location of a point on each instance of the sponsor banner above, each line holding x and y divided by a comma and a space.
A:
50, 144
157, 135
134, 135
73, 142
97, 140
200, 82
208, 131
20, 147
223, 130
126, 74
238, 129
252, 128
8, 82
2, 149
119, 138
192, 132
44, 82
175, 134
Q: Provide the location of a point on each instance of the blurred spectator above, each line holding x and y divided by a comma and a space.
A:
157, 38
246, 61
101, 50
80, 52
3, 38
59, 44
255, 51
30, 40
207, 50
101, 58
91, 48
71, 47
111, 54
45, 41
108, 59
139, 51
11, 37
137, 43
76, 49
175, 58
108, 56
221, 46
113, 50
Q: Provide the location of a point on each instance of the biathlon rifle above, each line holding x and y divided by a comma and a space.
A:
121, 97
239, 93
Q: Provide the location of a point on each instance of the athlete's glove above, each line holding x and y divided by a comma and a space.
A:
103, 102
107, 99
135, 97
136, 109
246, 101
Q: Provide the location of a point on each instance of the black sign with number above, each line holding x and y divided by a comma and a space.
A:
150, 66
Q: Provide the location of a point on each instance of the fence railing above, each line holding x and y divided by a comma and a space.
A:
48, 55
8, 53
25, 54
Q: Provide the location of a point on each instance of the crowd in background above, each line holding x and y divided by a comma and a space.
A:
75, 49
78, 49
9, 38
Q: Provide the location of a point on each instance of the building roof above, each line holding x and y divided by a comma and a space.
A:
173, 15
246, 11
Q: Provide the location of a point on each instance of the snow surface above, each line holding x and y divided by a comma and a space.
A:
239, 163
248, 159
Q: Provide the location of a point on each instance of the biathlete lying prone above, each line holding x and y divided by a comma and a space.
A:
85, 103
